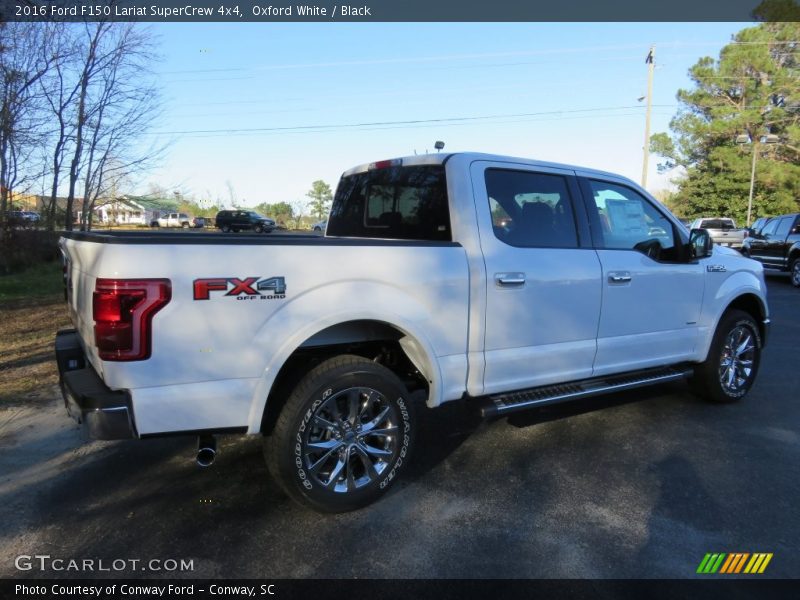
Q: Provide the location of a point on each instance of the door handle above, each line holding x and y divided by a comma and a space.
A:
509, 279
619, 277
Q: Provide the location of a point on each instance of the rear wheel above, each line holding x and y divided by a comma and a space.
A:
225, 228
733, 359
794, 272
259, 229
343, 435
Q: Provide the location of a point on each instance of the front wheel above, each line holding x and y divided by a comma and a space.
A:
184, 226
794, 272
343, 435
733, 359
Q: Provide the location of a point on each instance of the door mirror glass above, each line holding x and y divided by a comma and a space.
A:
700, 243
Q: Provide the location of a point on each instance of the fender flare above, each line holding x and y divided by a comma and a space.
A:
415, 343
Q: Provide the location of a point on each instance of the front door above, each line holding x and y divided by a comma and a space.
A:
651, 297
542, 285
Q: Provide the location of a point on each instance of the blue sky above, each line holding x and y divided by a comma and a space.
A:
558, 92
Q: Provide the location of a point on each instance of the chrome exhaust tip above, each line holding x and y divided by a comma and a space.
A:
206, 451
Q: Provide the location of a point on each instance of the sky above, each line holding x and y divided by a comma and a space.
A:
264, 110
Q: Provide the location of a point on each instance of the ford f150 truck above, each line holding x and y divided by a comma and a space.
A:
504, 282
722, 231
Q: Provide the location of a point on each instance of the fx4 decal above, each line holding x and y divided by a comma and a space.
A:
249, 288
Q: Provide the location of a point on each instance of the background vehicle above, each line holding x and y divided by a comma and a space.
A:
22, 218
175, 220
326, 345
723, 231
239, 220
777, 246
321, 226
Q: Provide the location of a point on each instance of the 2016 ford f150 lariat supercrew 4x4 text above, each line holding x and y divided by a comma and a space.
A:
505, 282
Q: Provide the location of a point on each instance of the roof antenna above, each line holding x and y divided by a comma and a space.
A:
439, 145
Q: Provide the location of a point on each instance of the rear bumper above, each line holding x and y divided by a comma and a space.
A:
105, 414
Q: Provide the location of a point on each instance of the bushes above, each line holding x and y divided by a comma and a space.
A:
23, 248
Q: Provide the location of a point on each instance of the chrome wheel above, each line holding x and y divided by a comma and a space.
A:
736, 361
351, 439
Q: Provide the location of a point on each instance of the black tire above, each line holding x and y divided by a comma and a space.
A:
719, 380
225, 228
794, 271
334, 476
184, 225
259, 229
317, 228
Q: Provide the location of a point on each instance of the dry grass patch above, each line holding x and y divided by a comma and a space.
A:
28, 327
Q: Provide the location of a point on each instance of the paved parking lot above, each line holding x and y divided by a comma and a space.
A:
640, 484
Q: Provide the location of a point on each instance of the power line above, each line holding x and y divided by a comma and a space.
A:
229, 131
425, 126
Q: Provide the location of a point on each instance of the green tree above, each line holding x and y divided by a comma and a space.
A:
752, 90
282, 212
321, 197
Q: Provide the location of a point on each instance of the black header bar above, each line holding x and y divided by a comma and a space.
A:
271, 11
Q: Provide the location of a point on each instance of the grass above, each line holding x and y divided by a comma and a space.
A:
42, 281
32, 309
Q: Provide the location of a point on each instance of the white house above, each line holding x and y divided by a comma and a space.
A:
121, 211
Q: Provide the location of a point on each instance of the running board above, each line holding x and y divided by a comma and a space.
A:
502, 404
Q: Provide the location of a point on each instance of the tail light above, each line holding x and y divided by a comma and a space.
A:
123, 311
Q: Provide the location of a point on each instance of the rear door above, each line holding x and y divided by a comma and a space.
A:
651, 297
542, 276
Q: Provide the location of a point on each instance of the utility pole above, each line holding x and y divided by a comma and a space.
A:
650, 60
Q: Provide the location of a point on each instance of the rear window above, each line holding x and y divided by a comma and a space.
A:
403, 203
718, 224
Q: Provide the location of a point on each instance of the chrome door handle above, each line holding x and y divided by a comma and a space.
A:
619, 277
509, 279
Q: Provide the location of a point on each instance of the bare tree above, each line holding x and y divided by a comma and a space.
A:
25, 57
114, 105
125, 105
60, 90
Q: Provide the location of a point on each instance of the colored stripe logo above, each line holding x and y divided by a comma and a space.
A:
734, 563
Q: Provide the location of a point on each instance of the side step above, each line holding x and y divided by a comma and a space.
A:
505, 403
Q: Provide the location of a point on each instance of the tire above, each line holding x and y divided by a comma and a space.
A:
794, 272
258, 229
332, 406
184, 226
717, 379
317, 228
225, 228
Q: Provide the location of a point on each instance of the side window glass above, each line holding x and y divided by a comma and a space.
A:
628, 221
783, 227
770, 227
531, 210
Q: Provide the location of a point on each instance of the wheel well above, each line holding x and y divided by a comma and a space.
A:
751, 304
377, 341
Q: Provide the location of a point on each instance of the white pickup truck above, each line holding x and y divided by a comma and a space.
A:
506, 282
723, 231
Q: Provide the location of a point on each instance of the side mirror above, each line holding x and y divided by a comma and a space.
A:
700, 244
